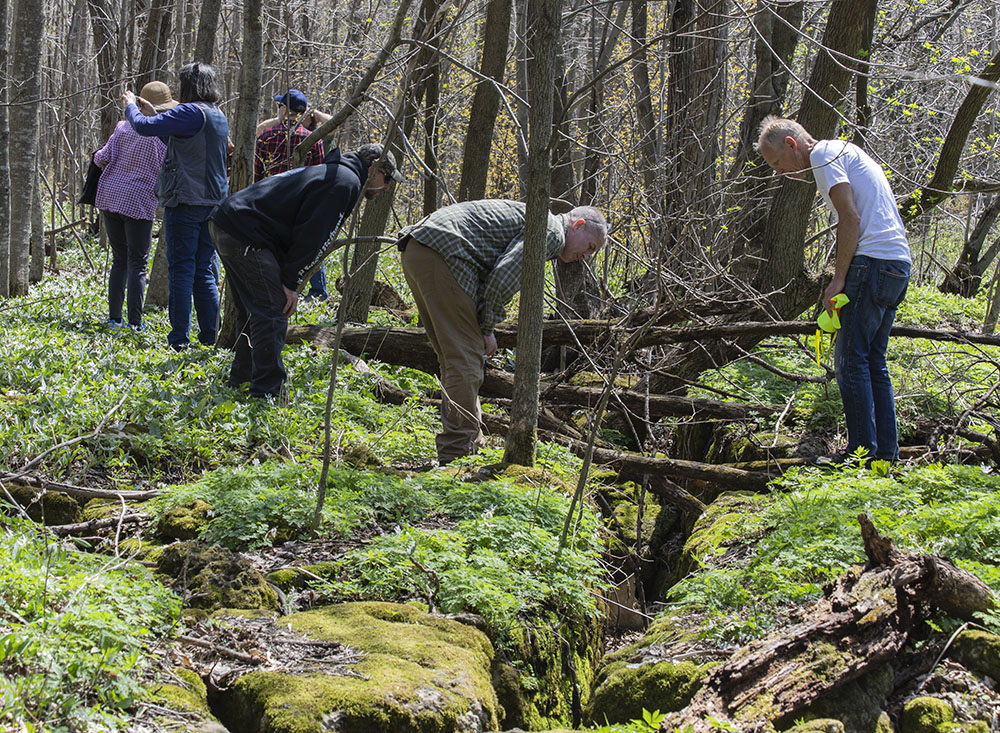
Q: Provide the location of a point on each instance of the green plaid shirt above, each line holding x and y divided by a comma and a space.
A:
483, 244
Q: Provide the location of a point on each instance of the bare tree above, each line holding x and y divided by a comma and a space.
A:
4, 161
544, 22
25, 85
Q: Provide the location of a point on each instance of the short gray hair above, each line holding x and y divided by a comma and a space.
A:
594, 221
774, 129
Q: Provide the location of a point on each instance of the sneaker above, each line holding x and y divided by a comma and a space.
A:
141, 328
181, 346
115, 325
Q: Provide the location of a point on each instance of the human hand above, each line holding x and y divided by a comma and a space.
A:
836, 286
489, 344
128, 97
291, 301
145, 106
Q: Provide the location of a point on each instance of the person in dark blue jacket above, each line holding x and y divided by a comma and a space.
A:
191, 182
271, 235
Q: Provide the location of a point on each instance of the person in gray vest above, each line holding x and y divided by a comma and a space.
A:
191, 182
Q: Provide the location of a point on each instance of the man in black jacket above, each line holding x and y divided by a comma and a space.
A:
271, 234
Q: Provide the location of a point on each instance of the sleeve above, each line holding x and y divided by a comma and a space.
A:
259, 151
315, 154
500, 286
184, 120
829, 166
107, 151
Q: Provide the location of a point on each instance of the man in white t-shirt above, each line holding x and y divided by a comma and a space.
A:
872, 268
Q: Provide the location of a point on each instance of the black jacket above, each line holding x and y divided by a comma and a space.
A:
295, 214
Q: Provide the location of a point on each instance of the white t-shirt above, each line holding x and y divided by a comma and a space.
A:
881, 234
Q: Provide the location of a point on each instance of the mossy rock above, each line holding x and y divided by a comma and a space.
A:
55, 506
420, 673
533, 476
761, 446
212, 577
184, 522
820, 725
547, 671
858, 704
101, 509
926, 715
639, 676
721, 523
188, 697
978, 651
289, 578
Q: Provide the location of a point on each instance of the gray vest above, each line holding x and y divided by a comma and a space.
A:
194, 169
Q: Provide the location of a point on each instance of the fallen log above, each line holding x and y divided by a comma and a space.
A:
409, 347
80, 492
78, 528
862, 623
633, 466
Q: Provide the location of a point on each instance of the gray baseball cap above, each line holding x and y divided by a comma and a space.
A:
372, 152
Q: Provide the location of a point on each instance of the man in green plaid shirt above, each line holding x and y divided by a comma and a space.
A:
463, 265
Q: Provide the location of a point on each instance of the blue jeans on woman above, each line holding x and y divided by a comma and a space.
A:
875, 288
189, 263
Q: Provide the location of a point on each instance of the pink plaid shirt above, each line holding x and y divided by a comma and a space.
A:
130, 165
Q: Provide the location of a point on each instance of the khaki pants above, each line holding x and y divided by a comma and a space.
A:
448, 314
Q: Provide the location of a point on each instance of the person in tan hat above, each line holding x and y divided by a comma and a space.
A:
129, 165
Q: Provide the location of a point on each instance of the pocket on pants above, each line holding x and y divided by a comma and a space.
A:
891, 288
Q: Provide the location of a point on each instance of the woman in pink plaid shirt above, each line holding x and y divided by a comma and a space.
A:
125, 197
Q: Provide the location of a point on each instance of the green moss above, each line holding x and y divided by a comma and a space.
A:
214, 577
533, 476
55, 506
858, 704
187, 695
625, 691
593, 379
421, 673
761, 446
978, 651
722, 522
184, 522
925, 715
820, 725
101, 509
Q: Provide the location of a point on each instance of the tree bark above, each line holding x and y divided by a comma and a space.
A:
208, 25
244, 137
862, 624
485, 102
156, 34
24, 90
967, 274
544, 21
103, 23
4, 160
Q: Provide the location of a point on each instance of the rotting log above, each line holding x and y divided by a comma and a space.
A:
79, 528
79, 492
863, 622
634, 466
409, 347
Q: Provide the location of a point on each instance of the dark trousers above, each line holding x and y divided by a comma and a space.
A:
254, 278
130, 240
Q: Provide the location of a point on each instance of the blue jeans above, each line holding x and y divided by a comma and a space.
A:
876, 288
189, 264
317, 284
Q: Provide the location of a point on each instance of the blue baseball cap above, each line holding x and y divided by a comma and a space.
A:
293, 99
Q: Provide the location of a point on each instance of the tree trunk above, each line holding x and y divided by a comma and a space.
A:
244, 138
153, 57
36, 241
103, 23
157, 287
485, 102
25, 85
967, 274
544, 18
358, 288
208, 24
4, 161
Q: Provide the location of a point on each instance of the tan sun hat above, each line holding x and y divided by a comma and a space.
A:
158, 94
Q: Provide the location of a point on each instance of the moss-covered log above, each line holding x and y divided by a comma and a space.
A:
863, 622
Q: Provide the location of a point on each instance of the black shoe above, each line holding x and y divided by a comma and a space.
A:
837, 460
181, 346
